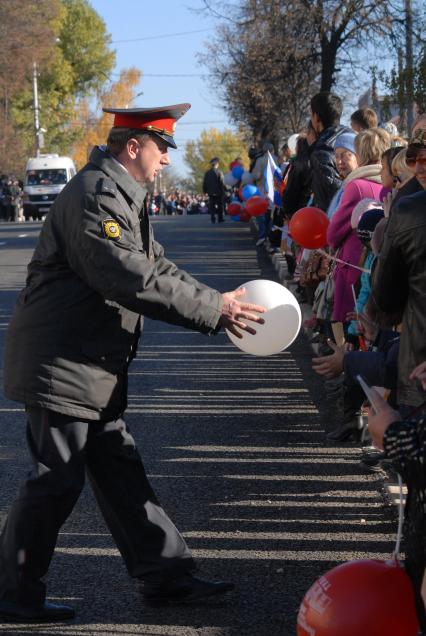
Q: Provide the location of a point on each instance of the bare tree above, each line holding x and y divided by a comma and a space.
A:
264, 67
344, 26
270, 56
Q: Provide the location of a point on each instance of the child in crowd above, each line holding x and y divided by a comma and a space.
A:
403, 173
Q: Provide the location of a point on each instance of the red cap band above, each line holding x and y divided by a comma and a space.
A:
125, 120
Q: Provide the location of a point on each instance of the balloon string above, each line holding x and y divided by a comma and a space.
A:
339, 260
400, 519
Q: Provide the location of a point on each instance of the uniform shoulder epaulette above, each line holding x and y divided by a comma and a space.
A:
106, 186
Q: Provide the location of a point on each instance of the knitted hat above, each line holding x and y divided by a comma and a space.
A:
361, 208
346, 140
368, 222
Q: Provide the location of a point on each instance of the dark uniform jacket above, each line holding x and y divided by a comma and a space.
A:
95, 270
399, 285
213, 183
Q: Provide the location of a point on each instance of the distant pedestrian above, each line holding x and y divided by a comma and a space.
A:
15, 205
214, 187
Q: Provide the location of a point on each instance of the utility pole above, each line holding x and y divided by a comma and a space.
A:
35, 107
409, 63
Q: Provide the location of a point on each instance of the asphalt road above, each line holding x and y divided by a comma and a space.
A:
235, 448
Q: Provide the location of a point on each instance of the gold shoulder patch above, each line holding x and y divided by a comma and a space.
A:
111, 229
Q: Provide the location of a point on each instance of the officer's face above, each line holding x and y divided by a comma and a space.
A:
150, 156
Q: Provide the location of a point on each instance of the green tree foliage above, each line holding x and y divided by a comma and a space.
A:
27, 34
407, 86
420, 82
78, 65
84, 42
226, 145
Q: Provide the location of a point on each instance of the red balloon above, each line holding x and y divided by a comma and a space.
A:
308, 227
256, 206
240, 193
234, 208
360, 598
244, 216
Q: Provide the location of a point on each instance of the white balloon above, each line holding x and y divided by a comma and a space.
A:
283, 319
291, 142
229, 179
247, 177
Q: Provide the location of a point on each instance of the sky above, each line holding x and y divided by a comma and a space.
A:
166, 37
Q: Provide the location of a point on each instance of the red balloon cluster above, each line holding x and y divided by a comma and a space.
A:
370, 598
256, 206
234, 208
308, 227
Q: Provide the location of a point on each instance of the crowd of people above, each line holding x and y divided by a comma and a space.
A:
177, 202
366, 288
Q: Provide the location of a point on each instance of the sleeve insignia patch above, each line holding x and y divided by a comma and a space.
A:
111, 229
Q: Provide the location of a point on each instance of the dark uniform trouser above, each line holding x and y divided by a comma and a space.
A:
62, 449
216, 205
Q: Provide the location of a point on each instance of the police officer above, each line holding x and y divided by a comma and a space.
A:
95, 271
214, 187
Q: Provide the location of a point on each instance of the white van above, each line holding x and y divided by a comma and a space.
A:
45, 177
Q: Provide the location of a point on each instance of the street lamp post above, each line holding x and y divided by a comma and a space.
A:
38, 131
35, 107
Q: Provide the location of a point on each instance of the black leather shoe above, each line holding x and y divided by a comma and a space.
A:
349, 432
183, 589
13, 612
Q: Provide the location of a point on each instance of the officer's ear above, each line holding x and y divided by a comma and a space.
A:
133, 147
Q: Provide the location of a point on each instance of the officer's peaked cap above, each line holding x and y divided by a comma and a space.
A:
161, 120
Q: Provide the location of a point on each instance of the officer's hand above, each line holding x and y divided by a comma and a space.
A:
233, 311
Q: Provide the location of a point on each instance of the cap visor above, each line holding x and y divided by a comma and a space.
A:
167, 138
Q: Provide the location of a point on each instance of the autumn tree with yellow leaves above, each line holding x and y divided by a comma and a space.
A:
227, 145
95, 127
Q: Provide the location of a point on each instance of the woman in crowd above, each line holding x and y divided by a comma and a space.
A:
363, 182
346, 162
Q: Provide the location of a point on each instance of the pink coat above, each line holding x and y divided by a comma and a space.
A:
340, 235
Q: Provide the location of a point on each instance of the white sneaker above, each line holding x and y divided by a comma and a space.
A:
260, 242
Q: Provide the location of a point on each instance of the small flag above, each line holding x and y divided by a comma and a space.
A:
273, 181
